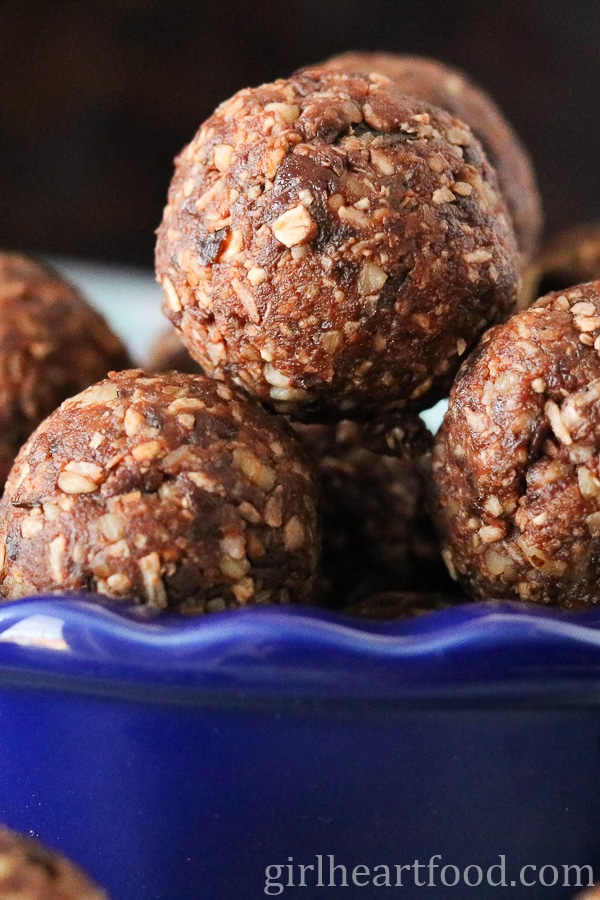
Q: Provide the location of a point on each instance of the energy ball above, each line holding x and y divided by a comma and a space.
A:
334, 246
52, 344
516, 462
377, 534
171, 490
29, 871
453, 90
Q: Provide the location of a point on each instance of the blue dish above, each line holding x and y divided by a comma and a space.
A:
180, 758
177, 759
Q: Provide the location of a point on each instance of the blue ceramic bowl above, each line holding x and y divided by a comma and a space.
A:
210, 758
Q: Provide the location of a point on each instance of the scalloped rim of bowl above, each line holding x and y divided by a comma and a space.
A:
486, 652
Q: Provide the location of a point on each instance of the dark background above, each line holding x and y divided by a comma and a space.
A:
97, 98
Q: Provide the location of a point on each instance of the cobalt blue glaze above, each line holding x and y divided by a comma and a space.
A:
177, 758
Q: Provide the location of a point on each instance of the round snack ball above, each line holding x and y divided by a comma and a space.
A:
52, 344
172, 490
377, 534
334, 246
30, 871
516, 462
453, 90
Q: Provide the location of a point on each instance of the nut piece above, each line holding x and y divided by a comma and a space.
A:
172, 300
295, 226
222, 157
443, 195
371, 279
74, 483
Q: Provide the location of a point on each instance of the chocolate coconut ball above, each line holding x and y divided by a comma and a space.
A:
334, 246
29, 871
377, 534
171, 490
516, 462
454, 91
52, 344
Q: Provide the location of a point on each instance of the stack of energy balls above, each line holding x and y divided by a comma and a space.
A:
336, 247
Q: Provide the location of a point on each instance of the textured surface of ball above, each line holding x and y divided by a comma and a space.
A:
517, 460
171, 490
451, 89
52, 344
334, 246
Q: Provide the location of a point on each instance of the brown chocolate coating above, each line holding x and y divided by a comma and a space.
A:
172, 490
516, 462
52, 344
169, 354
451, 89
334, 246
571, 257
377, 534
29, 871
